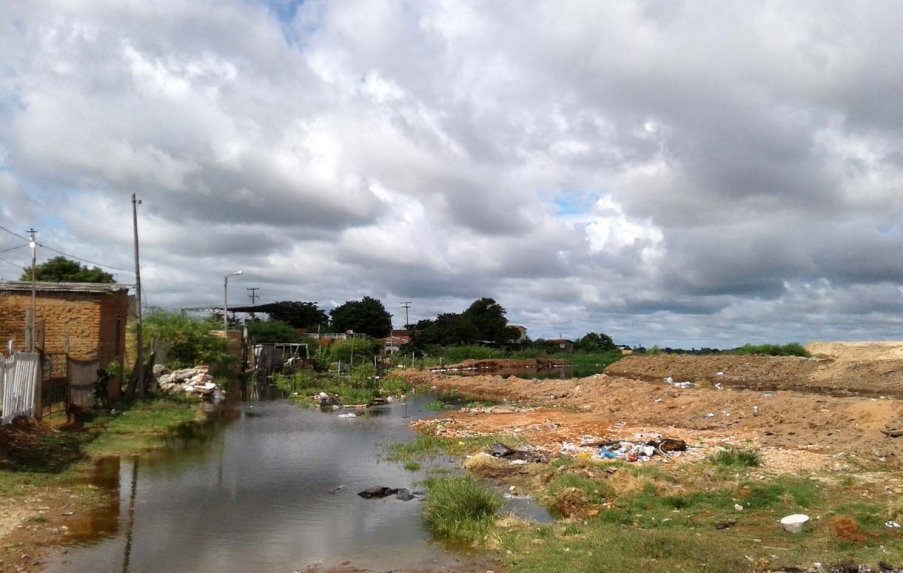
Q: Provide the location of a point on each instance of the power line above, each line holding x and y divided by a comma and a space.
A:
252, 294
23, 237
85, 260
13, 248
406, 305
71, 256
17, 265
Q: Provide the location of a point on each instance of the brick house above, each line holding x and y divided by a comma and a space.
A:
86, 319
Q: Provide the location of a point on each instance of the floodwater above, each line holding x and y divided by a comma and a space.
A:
274, 489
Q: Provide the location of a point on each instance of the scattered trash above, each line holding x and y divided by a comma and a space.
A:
336, 489
188, 381
726, 524
738, 507
892, 431
347, 415
499, 450
891, 524
326, 400
794, 523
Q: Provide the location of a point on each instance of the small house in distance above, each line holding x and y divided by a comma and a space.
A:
83, 321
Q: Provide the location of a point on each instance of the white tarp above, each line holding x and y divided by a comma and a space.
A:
19, 379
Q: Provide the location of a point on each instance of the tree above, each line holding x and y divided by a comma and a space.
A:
595, 342
489, 318
62, 270
261, 332
448, 329
366, 316
298, 314
182, 341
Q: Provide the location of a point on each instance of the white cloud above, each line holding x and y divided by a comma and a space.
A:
722, 156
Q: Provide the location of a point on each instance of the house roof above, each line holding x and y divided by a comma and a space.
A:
93, 288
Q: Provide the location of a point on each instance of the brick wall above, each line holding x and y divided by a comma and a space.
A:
94, 323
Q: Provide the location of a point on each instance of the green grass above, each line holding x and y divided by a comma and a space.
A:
666, 521
359, 388
144, 426
459, 509
427, 446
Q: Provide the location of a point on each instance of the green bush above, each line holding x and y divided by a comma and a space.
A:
459, 509
261, 332
361, 349
182, 341
792, 349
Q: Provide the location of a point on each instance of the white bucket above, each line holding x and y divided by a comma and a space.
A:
794, 523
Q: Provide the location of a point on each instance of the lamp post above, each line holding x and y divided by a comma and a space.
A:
226, 305
34, 245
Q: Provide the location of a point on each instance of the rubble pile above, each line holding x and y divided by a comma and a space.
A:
195, 381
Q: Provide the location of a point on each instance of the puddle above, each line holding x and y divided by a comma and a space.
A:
260, 493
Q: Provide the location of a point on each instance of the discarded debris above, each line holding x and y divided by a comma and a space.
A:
194, 381
378, 492
325, 400
499, 450
794, 523
381, 491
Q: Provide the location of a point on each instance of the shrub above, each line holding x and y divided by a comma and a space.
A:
792, 349
459, 509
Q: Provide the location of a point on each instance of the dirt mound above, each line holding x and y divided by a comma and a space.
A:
858, 351
794, 430
838, 369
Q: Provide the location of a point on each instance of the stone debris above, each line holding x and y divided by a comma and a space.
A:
196, 381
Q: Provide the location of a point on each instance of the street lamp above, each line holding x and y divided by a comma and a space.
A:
34, 307
226, 305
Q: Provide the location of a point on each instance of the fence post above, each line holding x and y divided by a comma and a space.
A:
39, 389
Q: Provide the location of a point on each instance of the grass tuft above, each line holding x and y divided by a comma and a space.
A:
736, 458
458, 509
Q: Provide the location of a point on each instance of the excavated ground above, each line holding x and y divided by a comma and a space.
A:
837, 411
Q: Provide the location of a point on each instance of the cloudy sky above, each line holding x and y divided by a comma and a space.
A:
672, 173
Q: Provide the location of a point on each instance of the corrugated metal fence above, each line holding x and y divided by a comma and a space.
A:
19, 379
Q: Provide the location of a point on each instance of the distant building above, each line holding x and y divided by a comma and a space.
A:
562, 344
394, 342
522, 337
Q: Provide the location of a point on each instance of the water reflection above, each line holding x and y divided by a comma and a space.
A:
102, 520
260, 494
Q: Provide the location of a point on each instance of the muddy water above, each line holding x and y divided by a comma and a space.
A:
273, 490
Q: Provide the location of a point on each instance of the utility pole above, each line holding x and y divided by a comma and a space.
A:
34, 296
139, 350
252, 294
406, 305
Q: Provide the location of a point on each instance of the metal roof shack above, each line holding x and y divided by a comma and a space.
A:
97, 288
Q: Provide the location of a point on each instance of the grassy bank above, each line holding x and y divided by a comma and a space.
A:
718, 514
35, 455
